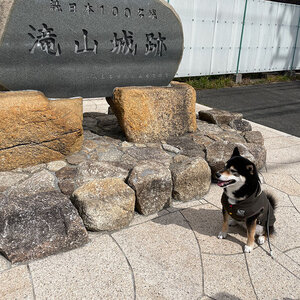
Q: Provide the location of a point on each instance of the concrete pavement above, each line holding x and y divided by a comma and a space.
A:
175, 254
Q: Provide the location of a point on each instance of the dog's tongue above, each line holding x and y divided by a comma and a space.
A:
222, 183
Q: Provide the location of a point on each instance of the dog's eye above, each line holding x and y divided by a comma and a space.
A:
234, 172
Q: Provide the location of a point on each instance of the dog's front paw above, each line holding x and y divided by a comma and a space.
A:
260, 240
222, 235
247, 249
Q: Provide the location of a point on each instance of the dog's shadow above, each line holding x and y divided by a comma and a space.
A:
207, 222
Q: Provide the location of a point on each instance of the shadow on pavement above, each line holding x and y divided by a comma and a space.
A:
205, 221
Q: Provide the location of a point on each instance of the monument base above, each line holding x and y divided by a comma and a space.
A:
152, 114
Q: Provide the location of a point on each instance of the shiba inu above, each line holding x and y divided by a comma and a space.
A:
244, 201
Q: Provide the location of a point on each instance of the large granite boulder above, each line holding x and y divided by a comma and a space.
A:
105, 204
148, 114
36, 226
34, 130
191, 178
152, 183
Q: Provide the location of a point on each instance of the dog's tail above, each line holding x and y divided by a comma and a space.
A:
273, 202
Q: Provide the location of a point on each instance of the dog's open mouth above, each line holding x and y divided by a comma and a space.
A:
225, 183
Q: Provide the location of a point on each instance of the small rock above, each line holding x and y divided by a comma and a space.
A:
76, 159
259, 154
153, 145
43, 181
208, 128
240, 125
202, 140
89, 123
219, 117
218, 153
191, 179
67, 173
89, 145
254, 137
32, 169
138, 145
8, 179
107, 125
66, 180
91, 170
105, 204
170, 148
110, 153
36, 226
187, 145
152, 183
126, 145
142, 154
228, 136
55, 166
88, 135
180, 158
127, 162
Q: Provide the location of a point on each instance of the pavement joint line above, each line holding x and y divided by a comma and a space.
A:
31, 281
129, 265
271, 186
293, 205
294, 248
282, 163
284, 253
222, 255
284, 267
295, 145
250, 278
291, 259
295, 179
149, 220
214, 205
200, 253
169, 212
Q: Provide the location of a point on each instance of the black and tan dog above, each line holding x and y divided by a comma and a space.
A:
244, 201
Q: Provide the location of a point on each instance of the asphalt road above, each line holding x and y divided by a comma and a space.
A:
275, 105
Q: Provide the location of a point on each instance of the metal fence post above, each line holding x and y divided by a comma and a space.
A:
239, 76
295, 47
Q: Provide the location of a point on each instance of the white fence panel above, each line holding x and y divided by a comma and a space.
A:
212, 33
269, 36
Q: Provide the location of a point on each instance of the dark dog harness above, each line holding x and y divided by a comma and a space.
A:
257, 203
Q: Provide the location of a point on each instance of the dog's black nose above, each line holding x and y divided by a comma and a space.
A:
218, 175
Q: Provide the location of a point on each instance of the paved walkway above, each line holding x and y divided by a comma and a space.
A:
175, 254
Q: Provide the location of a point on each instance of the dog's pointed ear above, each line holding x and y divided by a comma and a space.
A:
236, 152
250, 168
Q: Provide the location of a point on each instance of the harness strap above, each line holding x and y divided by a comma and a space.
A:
268, 231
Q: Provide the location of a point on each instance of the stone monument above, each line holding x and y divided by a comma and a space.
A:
67, 48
